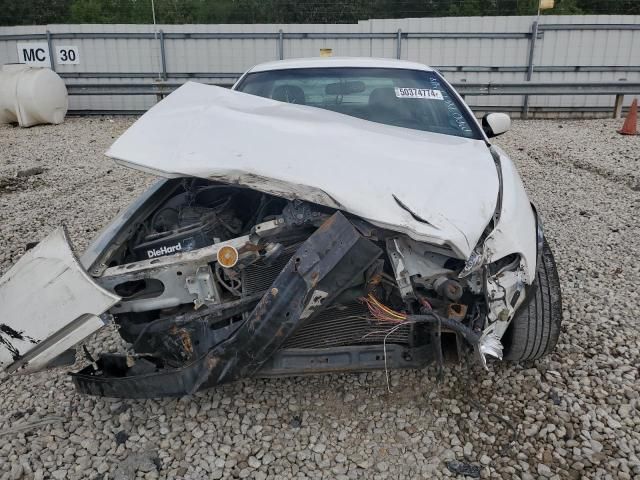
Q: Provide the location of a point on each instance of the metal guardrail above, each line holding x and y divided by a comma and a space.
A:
548, 88
464, 88
315, 35
168, 81
262, 35
157, 88
440, 68
621, 88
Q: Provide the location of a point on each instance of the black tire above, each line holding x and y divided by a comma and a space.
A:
534, 330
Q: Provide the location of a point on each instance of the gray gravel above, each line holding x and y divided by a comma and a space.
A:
576, 412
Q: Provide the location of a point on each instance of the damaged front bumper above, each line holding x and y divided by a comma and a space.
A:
207, 344
322, 267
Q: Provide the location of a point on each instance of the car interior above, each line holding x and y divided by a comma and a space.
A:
382, 106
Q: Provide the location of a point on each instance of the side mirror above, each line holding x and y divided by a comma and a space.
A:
495, 124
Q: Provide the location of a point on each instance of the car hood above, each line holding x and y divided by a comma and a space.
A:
435, 188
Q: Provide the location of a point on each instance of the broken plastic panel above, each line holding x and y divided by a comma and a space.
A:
48, 303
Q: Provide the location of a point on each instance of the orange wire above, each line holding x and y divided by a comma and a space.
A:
381, 311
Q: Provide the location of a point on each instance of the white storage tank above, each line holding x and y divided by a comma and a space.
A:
31, 95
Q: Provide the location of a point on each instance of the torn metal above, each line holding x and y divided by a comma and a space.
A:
321, 268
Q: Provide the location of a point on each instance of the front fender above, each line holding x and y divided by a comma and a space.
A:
48, 303
515, 231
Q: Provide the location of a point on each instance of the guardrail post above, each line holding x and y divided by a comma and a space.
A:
280, 44
532, 50
159, 89
399, 44
617, 107
163, 57
50, 48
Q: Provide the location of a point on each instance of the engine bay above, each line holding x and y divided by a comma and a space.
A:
195, 268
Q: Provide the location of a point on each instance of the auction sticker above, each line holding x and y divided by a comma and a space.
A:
418, 93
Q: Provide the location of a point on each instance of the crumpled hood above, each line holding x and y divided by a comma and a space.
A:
435, 188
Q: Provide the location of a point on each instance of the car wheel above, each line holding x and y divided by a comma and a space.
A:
535, 328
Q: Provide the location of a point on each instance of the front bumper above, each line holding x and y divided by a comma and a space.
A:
323, 266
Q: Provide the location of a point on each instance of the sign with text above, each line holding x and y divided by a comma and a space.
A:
67, 55
36, 54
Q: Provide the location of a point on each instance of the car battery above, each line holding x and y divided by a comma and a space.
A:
183, 239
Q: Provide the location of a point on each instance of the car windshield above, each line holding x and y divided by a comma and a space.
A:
413, 99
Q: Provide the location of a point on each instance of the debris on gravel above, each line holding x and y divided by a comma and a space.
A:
462, 468
577, 411
30, 172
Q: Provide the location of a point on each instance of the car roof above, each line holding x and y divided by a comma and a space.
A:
337, 62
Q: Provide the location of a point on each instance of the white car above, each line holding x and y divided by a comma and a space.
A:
322, 215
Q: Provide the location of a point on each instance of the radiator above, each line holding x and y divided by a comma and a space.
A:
340, 325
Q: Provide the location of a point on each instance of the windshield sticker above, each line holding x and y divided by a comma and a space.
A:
418, 93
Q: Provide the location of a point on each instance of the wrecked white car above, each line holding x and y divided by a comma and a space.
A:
323, 215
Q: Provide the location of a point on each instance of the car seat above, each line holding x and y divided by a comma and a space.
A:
385, 107
289, 94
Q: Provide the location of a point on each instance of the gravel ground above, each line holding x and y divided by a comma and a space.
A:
576, 412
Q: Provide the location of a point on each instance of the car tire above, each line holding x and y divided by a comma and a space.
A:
535, 328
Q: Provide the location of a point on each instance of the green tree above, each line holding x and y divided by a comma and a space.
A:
468, 8
110, 11
42, 12
34, 12
561, 7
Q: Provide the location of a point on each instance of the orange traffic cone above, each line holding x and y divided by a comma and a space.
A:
630, 126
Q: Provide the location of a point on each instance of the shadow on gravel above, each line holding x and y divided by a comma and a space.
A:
18, 184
